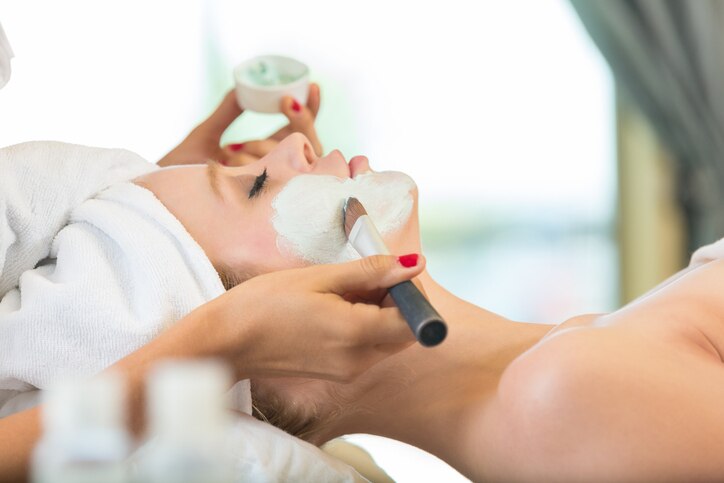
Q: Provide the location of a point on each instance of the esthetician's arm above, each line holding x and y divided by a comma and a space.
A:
204, 141
315, 332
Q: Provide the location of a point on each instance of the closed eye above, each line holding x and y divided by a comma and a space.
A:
259, 184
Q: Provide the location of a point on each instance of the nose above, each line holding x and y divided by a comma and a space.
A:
301, 153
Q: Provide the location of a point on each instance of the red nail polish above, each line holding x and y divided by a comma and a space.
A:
408, 261
296, 107
223, 162
236, 147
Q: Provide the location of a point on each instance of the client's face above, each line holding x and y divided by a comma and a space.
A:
269, 215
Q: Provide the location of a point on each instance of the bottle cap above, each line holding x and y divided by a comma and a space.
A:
87, 418
187, 400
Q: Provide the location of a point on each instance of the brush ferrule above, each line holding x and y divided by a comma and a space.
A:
365, 238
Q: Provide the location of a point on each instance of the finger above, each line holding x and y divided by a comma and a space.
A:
367, 274
386, 350
314, 99
226, 113
240, 159
379, 326
258, 149
300, 117
313, 103
385, 300
301, 120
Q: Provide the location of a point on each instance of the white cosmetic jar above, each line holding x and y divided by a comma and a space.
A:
261, 82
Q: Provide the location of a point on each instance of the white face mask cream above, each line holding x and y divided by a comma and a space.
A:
308, 212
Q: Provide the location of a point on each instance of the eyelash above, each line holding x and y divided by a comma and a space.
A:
259, 184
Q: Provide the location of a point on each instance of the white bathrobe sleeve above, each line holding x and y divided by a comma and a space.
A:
40, 183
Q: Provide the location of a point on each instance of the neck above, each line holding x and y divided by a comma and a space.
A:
428, 396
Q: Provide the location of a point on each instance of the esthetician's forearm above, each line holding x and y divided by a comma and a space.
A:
18, 434
189, 338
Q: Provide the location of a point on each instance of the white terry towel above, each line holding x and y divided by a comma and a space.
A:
40, 183
118, 273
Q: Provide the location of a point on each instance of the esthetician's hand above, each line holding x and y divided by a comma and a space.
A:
301, 322
288, 323
203, 143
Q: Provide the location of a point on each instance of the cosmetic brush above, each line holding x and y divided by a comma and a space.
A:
424, 321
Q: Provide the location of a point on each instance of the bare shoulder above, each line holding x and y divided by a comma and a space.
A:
635, 395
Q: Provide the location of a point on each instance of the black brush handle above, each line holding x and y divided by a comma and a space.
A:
423, 319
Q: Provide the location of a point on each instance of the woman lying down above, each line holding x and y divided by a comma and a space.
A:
634, 395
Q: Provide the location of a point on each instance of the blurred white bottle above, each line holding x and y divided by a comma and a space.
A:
85, 439
188, 418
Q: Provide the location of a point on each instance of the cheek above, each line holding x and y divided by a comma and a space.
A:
260, 253
308, 213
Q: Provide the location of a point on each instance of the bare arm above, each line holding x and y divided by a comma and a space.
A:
18, 434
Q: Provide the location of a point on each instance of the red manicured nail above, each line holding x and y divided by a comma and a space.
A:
296, 107
223, 162
408, 261
236, 147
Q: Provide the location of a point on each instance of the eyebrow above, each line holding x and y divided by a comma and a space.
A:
212, 172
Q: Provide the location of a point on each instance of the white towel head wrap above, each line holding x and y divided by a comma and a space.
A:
6, 53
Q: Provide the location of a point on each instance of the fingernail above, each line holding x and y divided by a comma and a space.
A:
296, 107
223, 162
236, 147
408, 261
